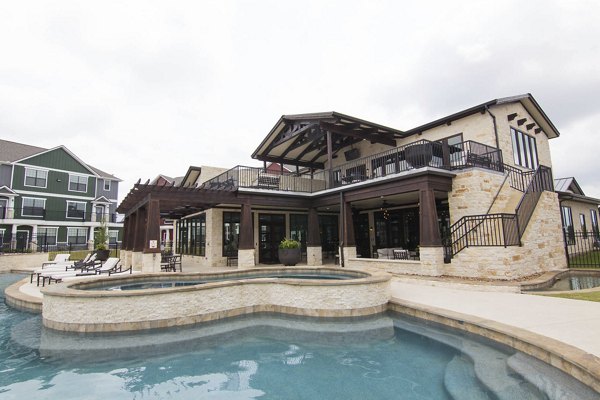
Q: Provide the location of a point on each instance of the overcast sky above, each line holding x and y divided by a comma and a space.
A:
138, 88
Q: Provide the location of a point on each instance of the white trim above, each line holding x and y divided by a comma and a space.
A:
109, 185
11, 194
46, 228
62, 196
70, 228
32, 198
80, 161
78, 176
35, 169
116, 234
55, 170
76, 202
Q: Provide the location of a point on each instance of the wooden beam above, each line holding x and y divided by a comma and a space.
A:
373, 138
511, 116
529, 126
521, 121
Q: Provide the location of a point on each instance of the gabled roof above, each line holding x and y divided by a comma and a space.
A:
191, 176
569, 189
6, 191
569, 185
101, 199
301, 139
527, 100
12, 152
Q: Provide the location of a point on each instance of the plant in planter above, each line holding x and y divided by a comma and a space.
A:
289, 252
100, 240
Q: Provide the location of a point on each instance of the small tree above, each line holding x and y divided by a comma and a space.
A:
101, 236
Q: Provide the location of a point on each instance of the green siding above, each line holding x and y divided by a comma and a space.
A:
57, 159
56, 210
58, 183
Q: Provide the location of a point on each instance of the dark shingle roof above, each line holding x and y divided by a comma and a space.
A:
13, 151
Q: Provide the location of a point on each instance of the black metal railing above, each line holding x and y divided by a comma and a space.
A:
502, 229
24, 242
56, 215
420, 154
518, 179
583, 248
484, 230
540, 182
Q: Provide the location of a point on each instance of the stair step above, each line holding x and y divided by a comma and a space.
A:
554, 383
460, 381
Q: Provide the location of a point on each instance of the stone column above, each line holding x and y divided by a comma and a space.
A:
314, 251
13, 237
246, 251
138, 245
430, 243
33, 241
90, 242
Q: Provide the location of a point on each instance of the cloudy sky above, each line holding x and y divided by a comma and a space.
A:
138, 88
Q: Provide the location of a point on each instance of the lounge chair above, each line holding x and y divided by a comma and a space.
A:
59, 258
87, 262
109, 266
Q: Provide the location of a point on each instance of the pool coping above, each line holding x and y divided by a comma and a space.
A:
530, 288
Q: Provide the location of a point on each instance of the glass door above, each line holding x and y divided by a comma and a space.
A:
271, 230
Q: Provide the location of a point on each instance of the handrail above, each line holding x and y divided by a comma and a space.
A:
501, 229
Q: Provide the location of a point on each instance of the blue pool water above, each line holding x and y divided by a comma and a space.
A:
259, 357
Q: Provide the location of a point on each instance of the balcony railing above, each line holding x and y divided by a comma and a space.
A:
38, 213
420, 154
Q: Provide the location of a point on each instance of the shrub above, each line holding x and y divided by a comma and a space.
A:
289, 244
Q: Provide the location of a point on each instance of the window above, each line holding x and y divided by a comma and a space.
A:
113, 237
78, 183
33, 207
231, 233
46, 236
76, 209
524, 149
568, 228
594, 216
192, 236
36, 177
106, 185
77, 235
583, 226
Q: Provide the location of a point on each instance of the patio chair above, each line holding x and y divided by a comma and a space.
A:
401, 254
66, 266
110, 264
59, 258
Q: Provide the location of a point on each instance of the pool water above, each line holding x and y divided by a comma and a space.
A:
575, 282
263, 357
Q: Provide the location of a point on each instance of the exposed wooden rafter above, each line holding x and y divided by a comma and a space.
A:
355, 130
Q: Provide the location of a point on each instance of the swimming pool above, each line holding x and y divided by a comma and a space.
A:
268, 357
567, 281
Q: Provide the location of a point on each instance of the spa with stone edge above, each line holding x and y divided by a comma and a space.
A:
173, 299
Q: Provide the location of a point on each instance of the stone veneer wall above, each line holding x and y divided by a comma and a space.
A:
542, 250
473, 192
86, 311
9, 262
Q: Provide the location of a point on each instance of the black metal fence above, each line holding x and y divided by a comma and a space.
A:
24, 242
583, 248
483, 230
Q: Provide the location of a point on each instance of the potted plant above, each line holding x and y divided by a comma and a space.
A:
100, 240
289, 252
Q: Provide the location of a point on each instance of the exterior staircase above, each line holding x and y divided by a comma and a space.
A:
507, 217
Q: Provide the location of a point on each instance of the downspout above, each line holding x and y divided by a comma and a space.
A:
342, 229
495, 126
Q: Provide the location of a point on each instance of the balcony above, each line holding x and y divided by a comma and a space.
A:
42, 214
412, 156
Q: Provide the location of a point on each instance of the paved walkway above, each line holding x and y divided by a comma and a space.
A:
573, 322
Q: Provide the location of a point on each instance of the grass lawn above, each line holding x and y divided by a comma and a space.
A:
589, 296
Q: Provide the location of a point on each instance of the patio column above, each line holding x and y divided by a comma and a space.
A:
138, 238
314, 252
246, 238
125, 252
430, 243
151, 249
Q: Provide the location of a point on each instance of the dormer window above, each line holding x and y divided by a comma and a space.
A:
78, 183
36, 177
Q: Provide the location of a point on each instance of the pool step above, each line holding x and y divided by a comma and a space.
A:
556, 384
460, 381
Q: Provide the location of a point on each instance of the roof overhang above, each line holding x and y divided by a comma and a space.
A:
301, 139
